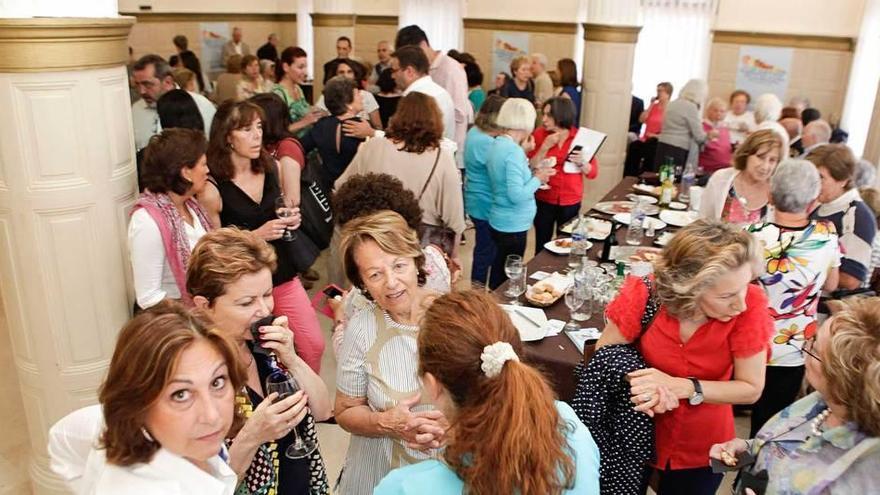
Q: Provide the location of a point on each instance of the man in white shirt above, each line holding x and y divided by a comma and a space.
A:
543, 83
235, 46
815, 134
409, 67
448, 74
153, 78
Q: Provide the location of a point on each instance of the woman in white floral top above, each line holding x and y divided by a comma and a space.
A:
801, 259
827, 442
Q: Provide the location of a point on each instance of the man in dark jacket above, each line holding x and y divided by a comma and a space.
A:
269, 51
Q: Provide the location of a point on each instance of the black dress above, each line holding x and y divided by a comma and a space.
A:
387, 107
335, 159
240, 210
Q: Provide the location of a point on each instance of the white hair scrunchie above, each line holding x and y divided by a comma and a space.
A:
494, 356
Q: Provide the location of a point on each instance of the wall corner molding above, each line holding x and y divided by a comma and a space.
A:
333, 20
522, 26
52, 44
833, 43
611, 33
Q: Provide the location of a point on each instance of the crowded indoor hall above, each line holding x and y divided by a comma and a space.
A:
406, 247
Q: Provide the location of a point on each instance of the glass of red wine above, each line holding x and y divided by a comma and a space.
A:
285, 386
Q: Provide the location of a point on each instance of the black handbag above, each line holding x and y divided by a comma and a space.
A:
300, 253
314, 205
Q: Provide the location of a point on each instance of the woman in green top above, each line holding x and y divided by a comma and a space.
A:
292, 72
476, 95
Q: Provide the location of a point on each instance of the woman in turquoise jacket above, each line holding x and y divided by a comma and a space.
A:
513, 184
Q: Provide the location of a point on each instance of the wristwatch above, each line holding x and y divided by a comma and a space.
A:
697, 398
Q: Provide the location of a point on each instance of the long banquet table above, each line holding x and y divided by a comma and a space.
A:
557, 356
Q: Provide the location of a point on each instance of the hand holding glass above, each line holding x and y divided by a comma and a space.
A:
285, 386
284, 209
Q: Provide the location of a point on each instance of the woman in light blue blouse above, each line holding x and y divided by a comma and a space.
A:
512, 183
477, 190
507, 434
829, 441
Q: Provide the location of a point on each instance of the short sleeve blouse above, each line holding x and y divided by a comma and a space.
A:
684, 435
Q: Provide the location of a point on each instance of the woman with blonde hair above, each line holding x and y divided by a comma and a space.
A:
741, 194
379, 396
230, 279
513, 184
829, 441
520, 84
715, 154
703, 329
682, 133
166, 406
469, 361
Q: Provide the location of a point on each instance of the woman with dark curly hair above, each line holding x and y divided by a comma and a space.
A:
411, 150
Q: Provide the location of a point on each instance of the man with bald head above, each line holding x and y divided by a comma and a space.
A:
383, 54
235, 46
815, 134
543, 83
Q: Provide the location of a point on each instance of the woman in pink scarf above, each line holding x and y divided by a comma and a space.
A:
166, 221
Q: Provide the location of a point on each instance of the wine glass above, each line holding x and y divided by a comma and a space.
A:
284, 209
574, 299
513, 268
548, 162
284, 384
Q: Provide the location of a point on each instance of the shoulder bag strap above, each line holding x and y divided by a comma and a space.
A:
431, 175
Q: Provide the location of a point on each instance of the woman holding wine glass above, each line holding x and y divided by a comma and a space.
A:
230, 278
245, 185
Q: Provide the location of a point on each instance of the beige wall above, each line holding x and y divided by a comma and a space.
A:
815, 17
211, 6
153, 34
368, 34
523, 10
821, 75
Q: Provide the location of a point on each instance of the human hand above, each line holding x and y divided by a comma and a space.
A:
528, 144
554, 139
278, 337
418, 429
645, 385
713, 134
313, 116
273, 418
730, 448
294, 221
272, 230
544, 174
430, 430
337, 307
358, 129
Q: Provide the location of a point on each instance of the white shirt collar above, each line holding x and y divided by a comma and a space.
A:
419, 83
840, 204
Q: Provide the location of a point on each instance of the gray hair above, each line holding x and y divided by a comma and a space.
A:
161, 67
819, 129
794, 185
767, 107
541, 59
866, 174
694, 91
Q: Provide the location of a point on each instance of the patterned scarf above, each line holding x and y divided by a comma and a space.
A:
171, 226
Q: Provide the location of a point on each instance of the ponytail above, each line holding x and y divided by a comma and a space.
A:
511, 439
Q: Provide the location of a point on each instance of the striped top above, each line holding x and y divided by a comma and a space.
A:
378, 360
856, 227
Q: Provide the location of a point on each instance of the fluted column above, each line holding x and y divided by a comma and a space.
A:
67, 182
607, 96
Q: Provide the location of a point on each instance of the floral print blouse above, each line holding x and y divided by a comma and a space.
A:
843, 460
797, 262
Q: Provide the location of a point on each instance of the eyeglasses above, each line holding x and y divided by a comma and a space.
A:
809, 348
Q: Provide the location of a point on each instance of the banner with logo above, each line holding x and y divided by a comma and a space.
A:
214, 36
505, 47
764, 69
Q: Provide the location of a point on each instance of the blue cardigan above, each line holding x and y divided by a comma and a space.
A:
477, 189
513, 187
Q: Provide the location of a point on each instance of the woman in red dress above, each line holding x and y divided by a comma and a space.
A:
705, 345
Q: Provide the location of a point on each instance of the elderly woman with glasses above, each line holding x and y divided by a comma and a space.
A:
828, 441
801, 258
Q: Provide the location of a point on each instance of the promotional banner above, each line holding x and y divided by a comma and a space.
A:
764, 69
505, 46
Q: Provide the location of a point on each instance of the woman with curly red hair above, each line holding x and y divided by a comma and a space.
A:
507, 434
412, 151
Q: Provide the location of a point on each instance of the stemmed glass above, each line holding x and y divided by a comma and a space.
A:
284, 209
515, 271
548, 162
284, 384
574, 299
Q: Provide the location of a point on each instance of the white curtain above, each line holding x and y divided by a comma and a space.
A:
305, 34
673, 45
440, 19
863, 78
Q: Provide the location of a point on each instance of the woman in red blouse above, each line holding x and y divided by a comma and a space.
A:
561, 201
706, 347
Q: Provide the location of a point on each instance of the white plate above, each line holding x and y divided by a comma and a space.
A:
646, 188
553, 248
678, 218
596, 228
663, 239
625, 217
651, 200
675, 205
528, 331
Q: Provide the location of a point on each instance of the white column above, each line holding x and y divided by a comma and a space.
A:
305, 33
67, 181
863, 78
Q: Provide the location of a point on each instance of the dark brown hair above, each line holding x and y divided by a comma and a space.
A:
166, 155
523, 448
562, 111
412, 56
339, 94
743, 93
246, 60
568, 74
231, 116
838, 160
289, 54
666, 86
233, 64
417, 123
143, 362
485, 118
363, 194
223, 256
